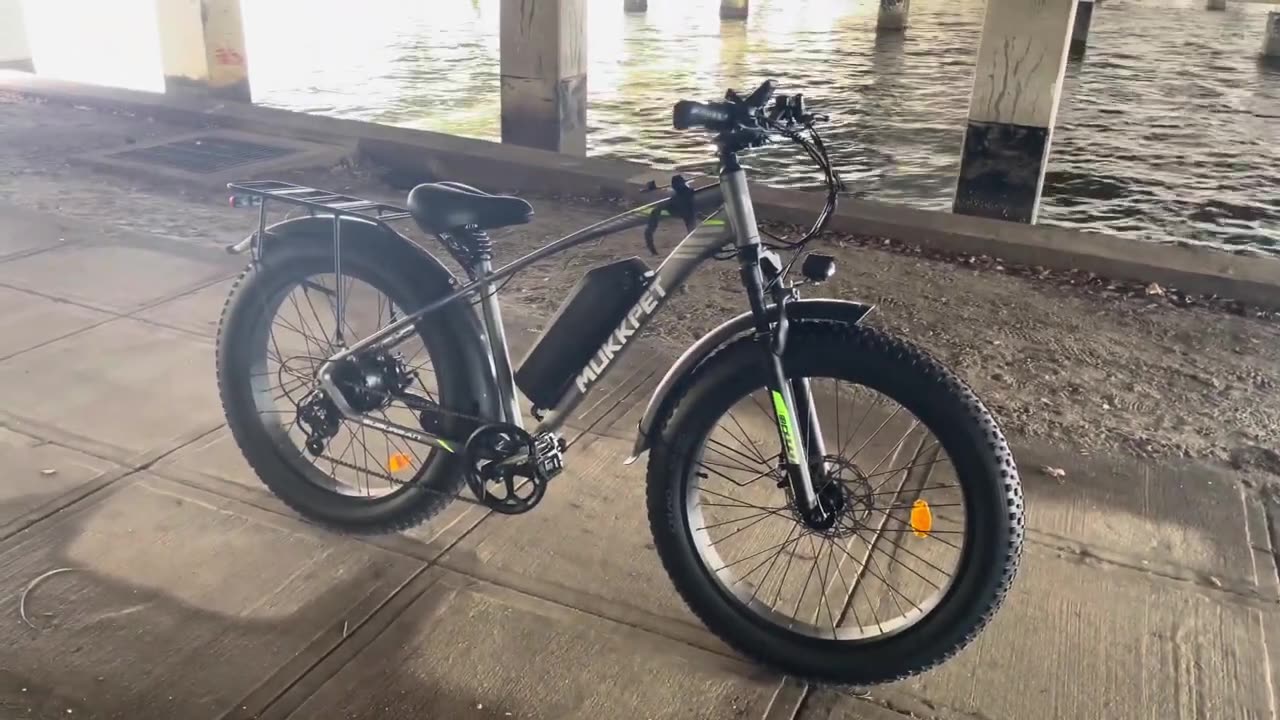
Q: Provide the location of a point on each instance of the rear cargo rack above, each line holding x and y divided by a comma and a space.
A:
315, 200
257, 193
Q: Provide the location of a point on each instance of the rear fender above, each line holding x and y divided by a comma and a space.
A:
667, 390
462, 325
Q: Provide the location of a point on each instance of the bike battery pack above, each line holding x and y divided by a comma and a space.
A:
582, 324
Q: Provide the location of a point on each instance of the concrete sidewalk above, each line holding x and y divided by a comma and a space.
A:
1147, 590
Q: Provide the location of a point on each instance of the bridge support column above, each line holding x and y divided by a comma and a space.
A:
635, 6
1080, 29
544, 74
734, 9
15, 49
202, 48
1271, 41
1017, 81
1216, 5
893, 15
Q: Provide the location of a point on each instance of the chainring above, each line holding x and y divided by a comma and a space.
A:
497, 474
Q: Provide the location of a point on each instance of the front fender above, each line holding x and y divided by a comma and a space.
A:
812, 309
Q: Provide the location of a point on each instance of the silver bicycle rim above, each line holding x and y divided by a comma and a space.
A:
295, 332
884, 565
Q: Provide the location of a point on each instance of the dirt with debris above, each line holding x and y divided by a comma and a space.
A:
1065, 356
1092, 365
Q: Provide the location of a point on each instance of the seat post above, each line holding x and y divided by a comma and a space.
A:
481, 268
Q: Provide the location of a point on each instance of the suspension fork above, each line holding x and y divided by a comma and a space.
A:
781, 391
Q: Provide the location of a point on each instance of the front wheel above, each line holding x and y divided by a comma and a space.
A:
925, 522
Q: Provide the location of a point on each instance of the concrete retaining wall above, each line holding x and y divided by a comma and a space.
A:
425, 155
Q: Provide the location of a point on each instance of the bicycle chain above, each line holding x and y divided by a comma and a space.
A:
365, 470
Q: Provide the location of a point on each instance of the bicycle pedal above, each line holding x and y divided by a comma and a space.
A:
550, 449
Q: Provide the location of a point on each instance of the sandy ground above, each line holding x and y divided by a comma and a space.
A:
1076, 364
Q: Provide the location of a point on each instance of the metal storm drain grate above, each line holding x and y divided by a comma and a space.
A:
204, 155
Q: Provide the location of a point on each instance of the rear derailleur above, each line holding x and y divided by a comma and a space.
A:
368, 383
320, 419
508, 469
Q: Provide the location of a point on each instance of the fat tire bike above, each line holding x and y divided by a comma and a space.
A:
828, 499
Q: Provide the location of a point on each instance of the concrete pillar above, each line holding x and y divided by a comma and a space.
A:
544, 74
1271, 41
202, 48
1080, 28
893, 14
1216, 4
733, 9
15, 49
1017, 80
635, 6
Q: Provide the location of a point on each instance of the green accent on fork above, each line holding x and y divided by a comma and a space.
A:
786, 426
445, 445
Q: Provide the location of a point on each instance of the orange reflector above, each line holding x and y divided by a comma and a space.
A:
921, 518
399, 462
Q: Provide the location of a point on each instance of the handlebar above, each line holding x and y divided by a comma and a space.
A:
713, 116
736, 111
754, 121
745, 122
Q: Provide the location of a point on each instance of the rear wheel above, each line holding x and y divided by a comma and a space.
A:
924, 528
278, 326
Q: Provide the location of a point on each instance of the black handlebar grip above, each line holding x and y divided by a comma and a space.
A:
688, 114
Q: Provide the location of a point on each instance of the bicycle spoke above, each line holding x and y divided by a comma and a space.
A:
912, 553
803, 589
771, 559
766, 473
328, 341
730, 522
930, 534
765, 580
872, 557
743, 503
747, 458
822, 585
874, 434
744, 559
857, 427
746, 435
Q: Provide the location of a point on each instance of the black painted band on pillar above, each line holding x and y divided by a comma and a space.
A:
1080, 30
1000, 171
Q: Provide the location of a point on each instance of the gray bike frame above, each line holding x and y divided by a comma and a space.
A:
708, 238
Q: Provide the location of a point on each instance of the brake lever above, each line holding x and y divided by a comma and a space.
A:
650, 228
680, 205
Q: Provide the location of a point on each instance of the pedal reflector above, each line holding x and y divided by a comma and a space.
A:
399, 462
921, 518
